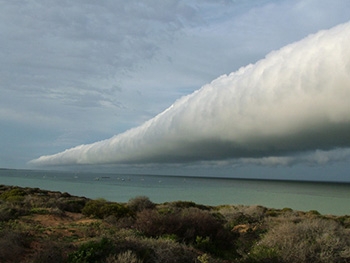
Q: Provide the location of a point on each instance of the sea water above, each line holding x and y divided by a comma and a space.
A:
326, 198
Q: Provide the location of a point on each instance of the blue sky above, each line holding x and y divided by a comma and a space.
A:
77, 73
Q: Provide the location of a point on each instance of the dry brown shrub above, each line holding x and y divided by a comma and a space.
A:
243, 214
311, 240
200, 228
155, 250
151, 223
169, 251
140, 203
186, 224
161, 250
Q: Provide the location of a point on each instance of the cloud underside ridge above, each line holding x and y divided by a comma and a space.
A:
294, 101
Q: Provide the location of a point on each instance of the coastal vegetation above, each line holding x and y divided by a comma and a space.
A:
45, 226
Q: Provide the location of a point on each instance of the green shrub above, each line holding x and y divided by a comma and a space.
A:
263, 254
101, 208
314, 213
13, 192
41, 211
71, 204
188, 204
203, 243
115, 209
15, 195
7, 213
287, 210
272, 213
206, 258
124, 257
93, 207
92, 252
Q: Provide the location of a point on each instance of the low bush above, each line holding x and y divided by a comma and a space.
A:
72, 204
15, 195
190, 226
236, 215
100, 208
12, 193
140, 203
92, 252
40, 211
344, 220
155, 250
312, 240
124, 257
263, 254
50, 252
12, 245
8, 212
188, 204
169, 251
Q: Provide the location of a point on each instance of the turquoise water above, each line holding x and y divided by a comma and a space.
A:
327, 198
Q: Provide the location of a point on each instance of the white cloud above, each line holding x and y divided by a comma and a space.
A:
295, 100
76, 72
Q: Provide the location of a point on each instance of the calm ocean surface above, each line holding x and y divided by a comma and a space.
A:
327, 198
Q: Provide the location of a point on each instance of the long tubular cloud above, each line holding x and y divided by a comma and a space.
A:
295, 100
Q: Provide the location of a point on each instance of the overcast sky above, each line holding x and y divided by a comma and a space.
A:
227, 88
